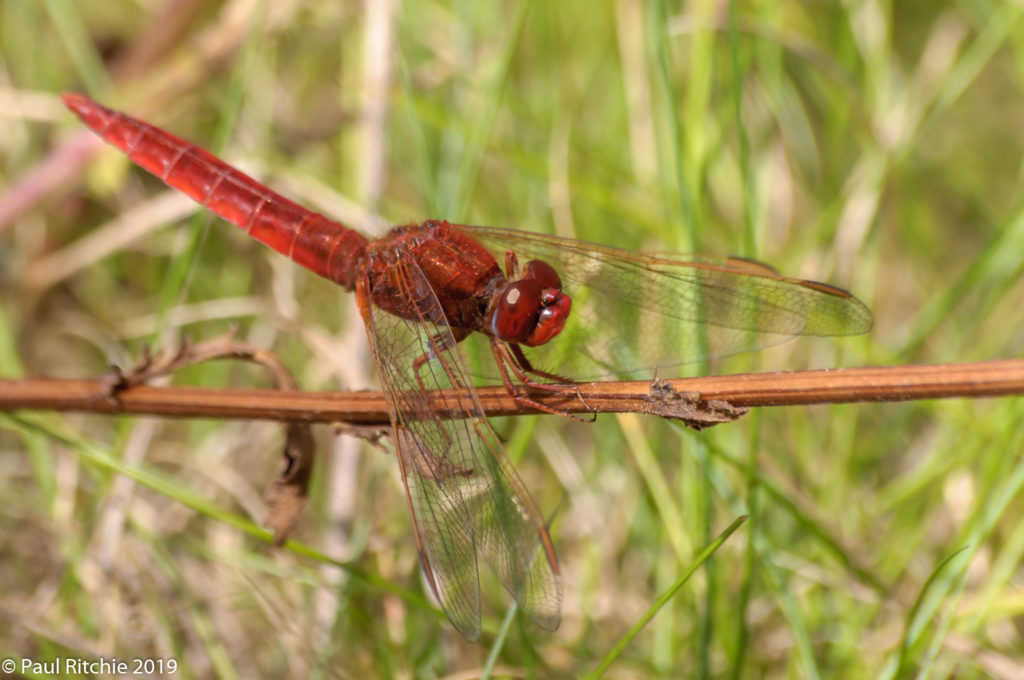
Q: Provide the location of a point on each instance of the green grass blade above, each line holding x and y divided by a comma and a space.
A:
665, 597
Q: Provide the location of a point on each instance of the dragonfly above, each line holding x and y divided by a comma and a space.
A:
422, 289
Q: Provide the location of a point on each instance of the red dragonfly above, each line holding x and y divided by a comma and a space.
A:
423, 289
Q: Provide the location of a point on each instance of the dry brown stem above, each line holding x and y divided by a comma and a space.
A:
288, 494
670, 398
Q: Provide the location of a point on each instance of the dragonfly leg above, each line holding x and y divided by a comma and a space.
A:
430, 465
413, 452
511, 265
440, 343
527, 368
510, 356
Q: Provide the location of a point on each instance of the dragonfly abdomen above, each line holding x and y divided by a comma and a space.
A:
323, 246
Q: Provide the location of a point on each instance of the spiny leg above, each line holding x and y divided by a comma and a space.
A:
511, 356
527, 368
440, 343
561, 383
429, 465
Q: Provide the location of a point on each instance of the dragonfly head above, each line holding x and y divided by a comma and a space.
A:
532, 309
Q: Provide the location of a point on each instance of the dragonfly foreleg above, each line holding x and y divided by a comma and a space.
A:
510, 356
526, 368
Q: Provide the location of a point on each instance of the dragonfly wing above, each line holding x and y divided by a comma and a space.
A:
634, 310
464, 496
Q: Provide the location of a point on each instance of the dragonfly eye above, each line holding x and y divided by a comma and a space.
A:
543, 273
529, 311
515, 315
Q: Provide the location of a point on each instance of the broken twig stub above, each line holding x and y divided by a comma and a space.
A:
690, 407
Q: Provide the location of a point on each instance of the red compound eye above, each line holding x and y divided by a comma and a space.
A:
515, 315
542, 273
533, 309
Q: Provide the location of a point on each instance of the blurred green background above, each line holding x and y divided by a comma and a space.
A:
874, 145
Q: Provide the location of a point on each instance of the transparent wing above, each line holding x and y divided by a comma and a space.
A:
464, 496
637, 311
